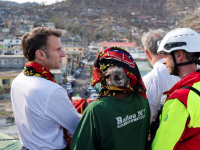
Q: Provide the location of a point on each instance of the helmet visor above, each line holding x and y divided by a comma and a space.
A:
171, 45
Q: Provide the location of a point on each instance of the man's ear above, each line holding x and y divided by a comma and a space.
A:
179, 56
148, 55
40, 54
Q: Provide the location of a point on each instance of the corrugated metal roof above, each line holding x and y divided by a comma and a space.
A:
9, 144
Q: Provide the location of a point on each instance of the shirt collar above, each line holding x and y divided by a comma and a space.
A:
160, 61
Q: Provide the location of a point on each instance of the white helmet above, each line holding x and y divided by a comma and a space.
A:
180, 39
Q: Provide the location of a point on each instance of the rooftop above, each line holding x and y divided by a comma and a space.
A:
118, 44
11, 56
10, 73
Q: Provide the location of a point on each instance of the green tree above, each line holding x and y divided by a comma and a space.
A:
129, 36
59, 23
90, 70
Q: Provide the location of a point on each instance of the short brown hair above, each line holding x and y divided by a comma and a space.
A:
37, 39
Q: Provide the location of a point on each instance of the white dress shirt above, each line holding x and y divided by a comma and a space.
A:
40, 107
157, 82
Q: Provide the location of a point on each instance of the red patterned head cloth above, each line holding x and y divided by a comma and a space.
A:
121, 59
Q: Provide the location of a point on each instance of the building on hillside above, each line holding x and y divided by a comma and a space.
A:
93, 47
73, 62
57, 75
6, 78
10, 42
77, 47
5, 30
127, 46
75, 52
12, 65
49, 24
10, 47
3, 119
15, 50
12, 61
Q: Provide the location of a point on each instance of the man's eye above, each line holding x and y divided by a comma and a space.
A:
117, 78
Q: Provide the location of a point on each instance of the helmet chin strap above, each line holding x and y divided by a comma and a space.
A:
176, 70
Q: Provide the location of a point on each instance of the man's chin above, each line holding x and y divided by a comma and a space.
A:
56, 67
169, 71
174, 72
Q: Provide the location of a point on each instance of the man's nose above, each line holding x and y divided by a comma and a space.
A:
63, 53
164, 61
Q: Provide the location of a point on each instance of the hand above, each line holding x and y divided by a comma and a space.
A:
149, 137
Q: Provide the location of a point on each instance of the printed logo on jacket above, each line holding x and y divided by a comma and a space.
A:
121, 122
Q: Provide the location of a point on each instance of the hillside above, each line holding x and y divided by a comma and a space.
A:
145, 7
107, 20
20, 4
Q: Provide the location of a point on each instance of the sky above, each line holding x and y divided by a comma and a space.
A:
38, 1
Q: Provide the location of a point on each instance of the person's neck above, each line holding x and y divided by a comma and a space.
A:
41, 63
155, 58
186, 69
122, 95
